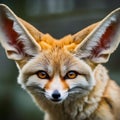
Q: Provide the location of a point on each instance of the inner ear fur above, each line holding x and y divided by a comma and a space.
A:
17, 36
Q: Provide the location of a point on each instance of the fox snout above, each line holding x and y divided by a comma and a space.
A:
56, 95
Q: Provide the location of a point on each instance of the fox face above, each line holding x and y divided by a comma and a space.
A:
56, 74
58, 69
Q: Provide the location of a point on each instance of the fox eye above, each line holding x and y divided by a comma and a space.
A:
42, 75
71, 75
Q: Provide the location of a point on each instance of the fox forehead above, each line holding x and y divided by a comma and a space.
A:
47, 42
54, 58
53, 49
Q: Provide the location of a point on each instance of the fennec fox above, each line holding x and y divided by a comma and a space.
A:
65, 77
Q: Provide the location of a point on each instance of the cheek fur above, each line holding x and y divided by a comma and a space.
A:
77, 82
82, 82
34, 80
65, 85
47, 85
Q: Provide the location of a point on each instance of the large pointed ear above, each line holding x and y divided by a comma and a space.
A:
102, 41
15, 36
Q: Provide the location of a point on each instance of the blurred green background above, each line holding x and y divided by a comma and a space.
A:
59, 18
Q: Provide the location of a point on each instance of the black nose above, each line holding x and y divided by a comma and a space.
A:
56, 95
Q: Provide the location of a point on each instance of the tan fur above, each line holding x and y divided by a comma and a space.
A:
91, 95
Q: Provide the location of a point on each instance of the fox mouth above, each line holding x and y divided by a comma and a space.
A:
56, 100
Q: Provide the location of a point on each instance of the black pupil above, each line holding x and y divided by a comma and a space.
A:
43, 74
71, 73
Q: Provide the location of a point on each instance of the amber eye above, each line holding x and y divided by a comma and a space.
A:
42, 74
71, 75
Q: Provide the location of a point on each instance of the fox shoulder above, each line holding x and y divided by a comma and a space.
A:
109, 108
